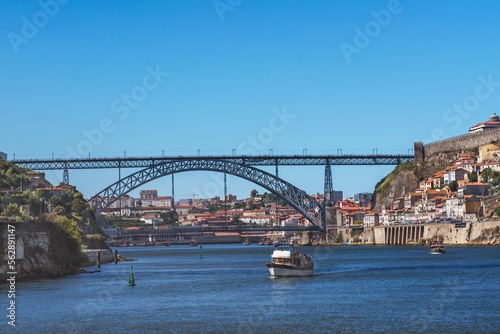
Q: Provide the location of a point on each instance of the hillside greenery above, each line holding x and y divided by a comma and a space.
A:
11, 175
70, 214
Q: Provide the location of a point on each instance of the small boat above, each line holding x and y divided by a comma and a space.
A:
437, 246
192, 243
246, 242
266, 242
289, 263
280, 242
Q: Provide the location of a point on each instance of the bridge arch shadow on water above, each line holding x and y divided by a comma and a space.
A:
309, 207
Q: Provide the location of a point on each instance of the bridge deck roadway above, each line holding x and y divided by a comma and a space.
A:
264, 160
191, 229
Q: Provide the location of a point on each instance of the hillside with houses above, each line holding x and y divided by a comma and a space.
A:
465, 190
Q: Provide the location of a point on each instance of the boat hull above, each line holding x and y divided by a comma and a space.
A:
286, 271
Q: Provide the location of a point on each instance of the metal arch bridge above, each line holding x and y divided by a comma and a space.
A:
298, 199
262, 160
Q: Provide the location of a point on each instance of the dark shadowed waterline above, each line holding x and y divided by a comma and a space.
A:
229, 290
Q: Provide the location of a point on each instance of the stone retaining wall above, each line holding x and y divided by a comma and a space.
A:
483, 233
464, 142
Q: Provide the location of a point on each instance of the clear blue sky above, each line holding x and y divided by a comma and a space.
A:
68, 69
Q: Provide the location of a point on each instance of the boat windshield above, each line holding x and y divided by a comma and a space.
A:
281, 260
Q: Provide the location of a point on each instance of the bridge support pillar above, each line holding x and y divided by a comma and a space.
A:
331, 224
306, 238
98, 259
328, 194
66, 177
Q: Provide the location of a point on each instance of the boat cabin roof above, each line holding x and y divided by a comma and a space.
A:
281, 253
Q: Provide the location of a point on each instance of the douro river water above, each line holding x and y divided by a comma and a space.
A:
229, 290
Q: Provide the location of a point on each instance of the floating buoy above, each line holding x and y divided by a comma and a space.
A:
131, 281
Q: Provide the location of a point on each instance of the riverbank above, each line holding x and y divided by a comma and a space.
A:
38, 250
471, 233
43, 249
104, 255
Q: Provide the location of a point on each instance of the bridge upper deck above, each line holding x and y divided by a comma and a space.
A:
259, 160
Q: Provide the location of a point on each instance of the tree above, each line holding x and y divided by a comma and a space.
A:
12, 210
475, 150
496, 181
340, 238
43, 194
139, 203
72, 230
473, 176
78, 205
254, 193
235, 219
58, 208
453, 185
497, 211
486, 174
55, 201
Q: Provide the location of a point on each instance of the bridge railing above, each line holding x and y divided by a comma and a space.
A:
230, 157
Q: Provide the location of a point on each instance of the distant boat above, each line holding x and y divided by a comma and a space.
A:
246, 242
280, 242
437, 246
289, 263
192, 243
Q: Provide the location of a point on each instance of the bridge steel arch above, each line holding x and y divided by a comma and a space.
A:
298, 199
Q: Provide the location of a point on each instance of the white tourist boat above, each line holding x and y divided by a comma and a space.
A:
437, 246
289, 263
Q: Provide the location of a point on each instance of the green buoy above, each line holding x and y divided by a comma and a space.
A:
131, 281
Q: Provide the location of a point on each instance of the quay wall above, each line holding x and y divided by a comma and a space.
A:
106, 256
365, 236
475, 233
35, 257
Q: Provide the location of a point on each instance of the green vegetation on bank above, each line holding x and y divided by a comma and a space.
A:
11, 176
65, 240
69, 213
420, 171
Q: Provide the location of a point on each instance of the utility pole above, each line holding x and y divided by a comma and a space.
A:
225, 200
120, 190
173, 203
277, 200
